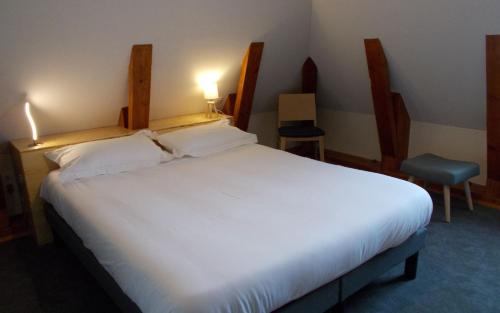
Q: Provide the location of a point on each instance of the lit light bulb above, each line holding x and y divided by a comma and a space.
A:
32, 123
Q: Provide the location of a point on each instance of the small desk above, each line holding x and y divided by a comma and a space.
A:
32, 166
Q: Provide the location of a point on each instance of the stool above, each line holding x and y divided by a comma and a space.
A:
435, 169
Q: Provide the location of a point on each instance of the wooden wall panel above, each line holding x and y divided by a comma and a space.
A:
139, 86
393, 122
246, 85
309, 76
493, 113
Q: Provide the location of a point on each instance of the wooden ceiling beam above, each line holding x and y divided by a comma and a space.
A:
139, 87
247, 84
393, 121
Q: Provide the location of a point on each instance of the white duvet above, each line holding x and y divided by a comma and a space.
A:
246, 230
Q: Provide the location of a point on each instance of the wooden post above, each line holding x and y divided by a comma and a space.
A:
139, 86
393, 121
246, 85
493, 114
229, 104
309, 76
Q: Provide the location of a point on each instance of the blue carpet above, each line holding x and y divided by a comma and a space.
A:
459, 271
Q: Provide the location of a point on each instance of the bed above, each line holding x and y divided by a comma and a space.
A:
250, 229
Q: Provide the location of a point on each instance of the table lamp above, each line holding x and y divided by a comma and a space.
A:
212, 97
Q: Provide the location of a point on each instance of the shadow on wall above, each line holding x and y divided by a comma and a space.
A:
264, 125
11, 118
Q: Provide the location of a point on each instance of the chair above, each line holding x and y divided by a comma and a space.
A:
435, 169
295, 108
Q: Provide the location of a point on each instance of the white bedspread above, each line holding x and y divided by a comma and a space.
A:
247, 230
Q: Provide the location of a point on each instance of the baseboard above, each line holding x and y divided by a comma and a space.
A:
480, 194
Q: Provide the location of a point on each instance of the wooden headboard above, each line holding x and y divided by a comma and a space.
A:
32, 166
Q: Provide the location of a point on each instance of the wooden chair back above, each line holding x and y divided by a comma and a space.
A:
297, 107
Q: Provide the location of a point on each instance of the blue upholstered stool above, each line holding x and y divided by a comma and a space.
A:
435, 169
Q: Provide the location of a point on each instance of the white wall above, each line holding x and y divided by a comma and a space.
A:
71, 57
435, 50
436, 55
356, 134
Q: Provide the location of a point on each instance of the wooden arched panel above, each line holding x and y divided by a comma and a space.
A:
309, 76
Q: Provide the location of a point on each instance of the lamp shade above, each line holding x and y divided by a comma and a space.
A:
211, 91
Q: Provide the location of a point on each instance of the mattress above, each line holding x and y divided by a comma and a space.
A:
246, 230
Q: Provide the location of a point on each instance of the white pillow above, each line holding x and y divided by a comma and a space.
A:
108, 156
204, 140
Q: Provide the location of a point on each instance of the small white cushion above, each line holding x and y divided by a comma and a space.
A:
108, 156
205, 140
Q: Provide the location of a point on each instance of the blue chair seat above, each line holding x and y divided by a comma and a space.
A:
300, 131
436, 169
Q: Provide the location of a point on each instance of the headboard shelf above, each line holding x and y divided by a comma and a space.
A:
169, 124
71, 138
32, 166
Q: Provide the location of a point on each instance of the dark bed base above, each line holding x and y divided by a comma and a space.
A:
331, 295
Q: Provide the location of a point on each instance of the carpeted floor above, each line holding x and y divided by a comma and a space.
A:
459, 271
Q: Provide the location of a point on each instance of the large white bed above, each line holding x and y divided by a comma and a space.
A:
245, 230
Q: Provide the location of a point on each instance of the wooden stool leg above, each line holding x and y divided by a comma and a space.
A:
411, 179
447, 209
468, 196
322, 149
282, 143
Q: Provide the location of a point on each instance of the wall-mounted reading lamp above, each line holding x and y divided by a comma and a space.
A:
32, 124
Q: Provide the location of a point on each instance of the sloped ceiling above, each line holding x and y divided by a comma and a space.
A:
71, 57
435, 50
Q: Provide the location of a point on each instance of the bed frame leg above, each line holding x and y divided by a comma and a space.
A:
58, 241
338, 308
411, 265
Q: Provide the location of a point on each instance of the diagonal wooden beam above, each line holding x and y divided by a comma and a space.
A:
229, 104
393, 121
247, 84
139, 86
493, 114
